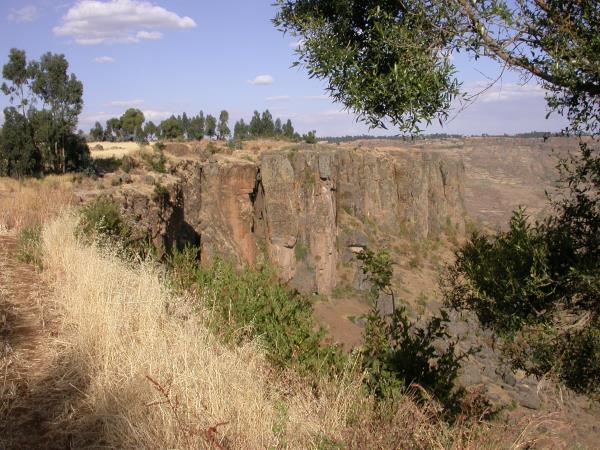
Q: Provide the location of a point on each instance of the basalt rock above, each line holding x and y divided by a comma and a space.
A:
306, 210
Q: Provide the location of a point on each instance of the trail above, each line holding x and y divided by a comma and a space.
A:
31, 399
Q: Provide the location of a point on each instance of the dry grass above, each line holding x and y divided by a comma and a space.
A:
122, 325
150, 375
31, 201
113, 149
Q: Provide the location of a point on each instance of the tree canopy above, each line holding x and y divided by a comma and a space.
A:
391, 61
39, 130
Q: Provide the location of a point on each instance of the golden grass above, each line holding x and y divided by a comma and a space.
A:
31, 201
151, 375
113, 149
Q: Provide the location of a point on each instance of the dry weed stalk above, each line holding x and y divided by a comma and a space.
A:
208, 434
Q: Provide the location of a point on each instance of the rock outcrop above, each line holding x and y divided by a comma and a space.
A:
306, 209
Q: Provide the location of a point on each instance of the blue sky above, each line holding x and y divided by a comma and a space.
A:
167, 57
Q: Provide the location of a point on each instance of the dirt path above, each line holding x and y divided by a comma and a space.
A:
30, 400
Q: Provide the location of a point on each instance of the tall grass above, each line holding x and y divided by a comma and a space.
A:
122, 326
150, 374
30, 202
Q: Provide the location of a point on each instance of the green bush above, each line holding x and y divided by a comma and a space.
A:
155, 160
252, 303
161, 194
537, 286
505, 279
398, 353
29, 245
102, 219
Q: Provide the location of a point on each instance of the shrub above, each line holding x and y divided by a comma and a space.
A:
537, 286
300, 251
212, 148
29, 245
253, 303
310, 137
102, 218
161, 194
127, 163
398, 354
155, 160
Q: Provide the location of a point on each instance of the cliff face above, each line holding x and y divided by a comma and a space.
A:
307, 210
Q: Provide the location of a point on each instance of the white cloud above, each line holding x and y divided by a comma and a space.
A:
104, 60
149, 35
125, 103
504, 92
91, 22
155, 115
95, 117
279, 98
262, 80
25, 14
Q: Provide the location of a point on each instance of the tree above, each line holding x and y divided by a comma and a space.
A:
266, 124
18, 74
240, 130
97, 133
63, 93
171, 128
34, 139
19, 156
150, 130
255, 126
131, 123
185, 125
113, 129
196, 130
390, 61
210, 125
278, 130
223, 127
288, 130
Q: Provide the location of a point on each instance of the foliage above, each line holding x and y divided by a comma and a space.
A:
29, 245
310, 137
161, 194
41, 140
19, 155
97, 133
390, 61
223, 130
538, 287
131, 124
252, 303
507, 278
102, 218
398, 353
156, 159
171, 128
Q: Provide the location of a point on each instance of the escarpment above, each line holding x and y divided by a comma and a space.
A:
306, 210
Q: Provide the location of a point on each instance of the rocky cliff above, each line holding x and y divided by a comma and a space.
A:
306, 209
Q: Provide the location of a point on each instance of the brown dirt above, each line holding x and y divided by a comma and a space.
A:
30, 397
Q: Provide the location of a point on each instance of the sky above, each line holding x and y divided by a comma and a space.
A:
167, 57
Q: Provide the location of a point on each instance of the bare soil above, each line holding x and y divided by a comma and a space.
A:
31, 397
